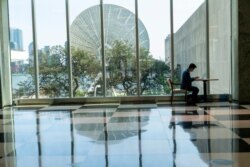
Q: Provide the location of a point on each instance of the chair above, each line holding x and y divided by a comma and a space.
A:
176, 90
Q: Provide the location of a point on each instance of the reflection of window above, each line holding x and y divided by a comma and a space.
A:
22, 135
50, 141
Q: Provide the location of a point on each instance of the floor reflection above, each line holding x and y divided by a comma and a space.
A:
112, 136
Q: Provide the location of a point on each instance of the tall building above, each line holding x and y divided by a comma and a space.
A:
31, 53
16, 39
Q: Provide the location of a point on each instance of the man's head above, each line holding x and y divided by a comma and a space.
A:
191, 67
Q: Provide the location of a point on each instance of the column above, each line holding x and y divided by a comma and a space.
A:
241, 51
5, 75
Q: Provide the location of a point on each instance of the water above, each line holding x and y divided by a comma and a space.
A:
17, 78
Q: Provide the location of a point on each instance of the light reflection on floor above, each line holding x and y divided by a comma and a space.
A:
126, 136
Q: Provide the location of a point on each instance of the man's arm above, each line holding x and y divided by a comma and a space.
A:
195, 78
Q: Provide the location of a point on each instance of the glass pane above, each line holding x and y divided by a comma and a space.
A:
154, 43
52, 53
219, 46
190, 39
85, 38
120, 47
22, 66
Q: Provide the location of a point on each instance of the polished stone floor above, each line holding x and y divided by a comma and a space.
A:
126, 135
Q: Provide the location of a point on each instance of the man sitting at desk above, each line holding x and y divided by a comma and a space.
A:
186, 82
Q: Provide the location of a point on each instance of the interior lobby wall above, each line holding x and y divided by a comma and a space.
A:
244, 50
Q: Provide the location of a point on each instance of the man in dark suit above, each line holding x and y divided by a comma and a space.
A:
186, 82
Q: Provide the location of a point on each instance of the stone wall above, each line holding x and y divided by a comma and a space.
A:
190, 45
220, 46
244, 50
